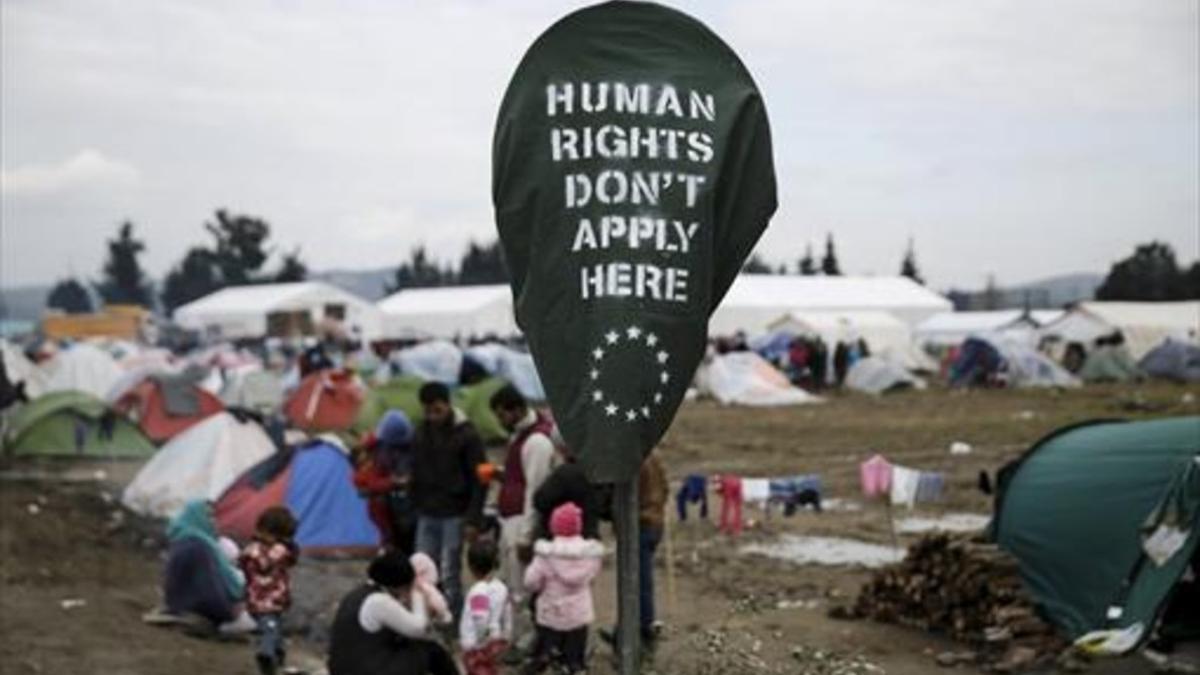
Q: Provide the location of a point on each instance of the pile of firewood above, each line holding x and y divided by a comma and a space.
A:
969, 590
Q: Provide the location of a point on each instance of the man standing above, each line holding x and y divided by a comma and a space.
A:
652, 501
527, 462
446, 490
567, 483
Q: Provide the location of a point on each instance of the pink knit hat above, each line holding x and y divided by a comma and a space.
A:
566, 520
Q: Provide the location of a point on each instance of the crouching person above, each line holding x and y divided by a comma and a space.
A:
561, 574
383, 626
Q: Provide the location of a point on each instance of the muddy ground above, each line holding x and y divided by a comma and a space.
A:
64, 539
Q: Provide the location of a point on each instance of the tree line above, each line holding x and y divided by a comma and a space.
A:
239, 250
828, 265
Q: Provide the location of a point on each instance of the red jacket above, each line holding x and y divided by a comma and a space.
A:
268, 586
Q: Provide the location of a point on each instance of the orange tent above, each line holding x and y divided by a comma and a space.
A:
147, 405
327, 400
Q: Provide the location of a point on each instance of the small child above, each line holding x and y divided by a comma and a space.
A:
426, 582
265, 561
561, 574
486, 625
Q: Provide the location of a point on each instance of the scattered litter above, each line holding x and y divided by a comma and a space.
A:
1025, 415
33, 509
73, 603
815, 661
838, 504
826, 551
107, 498
100, 475
797, 604
951, 522
1188, 398
960, 448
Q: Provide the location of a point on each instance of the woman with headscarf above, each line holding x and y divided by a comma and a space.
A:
382, 475
200, 579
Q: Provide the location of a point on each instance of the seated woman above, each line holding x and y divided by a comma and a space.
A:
200, 579
383, 626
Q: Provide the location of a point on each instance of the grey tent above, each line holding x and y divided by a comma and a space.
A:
1173, 360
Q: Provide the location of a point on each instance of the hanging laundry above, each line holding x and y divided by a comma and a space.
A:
756, 490
694, 489
730, 488
929, 487
904, 485
876, 476
791, 493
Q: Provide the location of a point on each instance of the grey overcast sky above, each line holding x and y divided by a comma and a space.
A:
1019, 137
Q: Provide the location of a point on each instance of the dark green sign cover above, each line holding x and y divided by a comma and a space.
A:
631, 177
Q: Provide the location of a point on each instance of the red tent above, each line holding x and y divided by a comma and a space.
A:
147, 404
327, 400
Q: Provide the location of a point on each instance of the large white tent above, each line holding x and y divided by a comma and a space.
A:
449, 312
951, 328
880, 330
81, 367
755, 301
242, 311
1143, 324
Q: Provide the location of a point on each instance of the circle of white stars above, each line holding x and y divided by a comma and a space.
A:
612, 340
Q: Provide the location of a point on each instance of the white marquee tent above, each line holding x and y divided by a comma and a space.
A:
1144, 324
241, 311
951, 328
449, 312
756, 300
82, 367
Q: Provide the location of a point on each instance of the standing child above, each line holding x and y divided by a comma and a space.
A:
426, 583
561, 574
486, 625
266, 560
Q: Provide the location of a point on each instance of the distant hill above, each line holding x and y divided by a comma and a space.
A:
368, 284
1049, 293
23, 303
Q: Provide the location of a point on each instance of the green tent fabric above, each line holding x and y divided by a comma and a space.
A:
74, 424
631, 177
1075, 509
1110, 364
402, 394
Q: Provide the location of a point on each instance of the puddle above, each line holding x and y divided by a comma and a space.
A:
951, 522
826, 551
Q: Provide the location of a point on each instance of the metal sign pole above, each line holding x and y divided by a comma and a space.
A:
628, 633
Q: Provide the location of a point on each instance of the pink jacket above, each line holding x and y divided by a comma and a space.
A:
561, 573
426, 583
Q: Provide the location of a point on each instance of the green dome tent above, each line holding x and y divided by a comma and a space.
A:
1078, 512
402, 394
73, 424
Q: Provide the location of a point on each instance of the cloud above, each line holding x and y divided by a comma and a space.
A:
87, 170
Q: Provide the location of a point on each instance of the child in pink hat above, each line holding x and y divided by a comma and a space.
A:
561, 574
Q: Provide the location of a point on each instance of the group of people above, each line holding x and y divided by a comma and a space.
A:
426, 485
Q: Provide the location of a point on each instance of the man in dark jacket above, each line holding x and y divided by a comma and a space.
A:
567, 483
446, 491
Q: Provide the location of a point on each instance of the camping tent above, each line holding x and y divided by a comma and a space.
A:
401, 394
1143, 324
1111, 363
449, 312
877, 375
1173, 360
756, 300
253, 389
315, 482
84, 368
745, 378
20, 369
327, 400
256, 311
434, 361
200, 463
512, 365
166, 405
73, 424
994, 360
1075, 511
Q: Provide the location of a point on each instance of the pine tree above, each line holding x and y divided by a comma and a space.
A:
908, 267
123, 282
293, 268
196, 276
756, 265
808, 264
70, 296
829, 264
1151, 273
